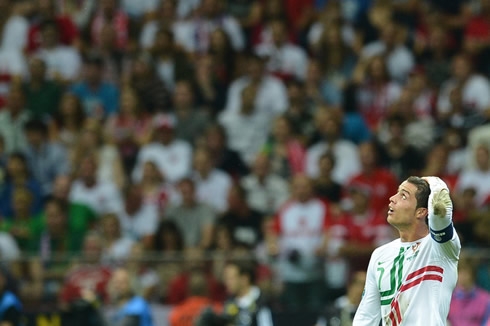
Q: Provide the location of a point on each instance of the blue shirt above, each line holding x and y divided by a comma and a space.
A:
105, 96
137, 307
7, 301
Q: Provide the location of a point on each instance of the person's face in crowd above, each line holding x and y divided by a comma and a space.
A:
235, 199
35, 137
93, 73
466, 277
16, 167
140, 68
231, 278
50, 37
367, 154
22, 201
15, 100
55, 218
163, 42
69, 105
281, 129
211, 8
167, 12
110, 226
388, 34
360, 199
313, 72
188, 192
46, 8
261, 166
255, 69
151, 172
108, 37
302, 188
183, 97
328, 125
278, 33
377, 69
129, 103
165, 134
169, 241
325, 166
248, 100
108, 6
438, 158
482, 159
134, 199
438, 38
88, 169
461, 68
403, 206
219, 40
37, 69
202, 162
215, 139
61, 187
333, 36
223, 238
356, 287
296, 95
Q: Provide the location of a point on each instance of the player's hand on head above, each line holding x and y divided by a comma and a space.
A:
439, 200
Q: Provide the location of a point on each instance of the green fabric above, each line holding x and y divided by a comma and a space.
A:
43, 101
34, 226
79, 222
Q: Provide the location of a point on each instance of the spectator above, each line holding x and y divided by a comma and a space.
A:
212, 185
224, 158
42, 95
285, 59
138, 221
300, 227
132, 309
479, 177
190, 120
380, 181
300, 108
266, 191
102, 197
116, 246
208, 85
324, 185
9, 250
194, 219
15, 28
223, 56
99, 99
46, 159
115, 60
172, 156
345, 153
11, 313
286, 153
155, 189
12, 121
168, 239
13, 68
165, 20
109, 13
68, 121
244, 222
469, 304
63, 62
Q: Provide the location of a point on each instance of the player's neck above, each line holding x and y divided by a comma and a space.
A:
415, 233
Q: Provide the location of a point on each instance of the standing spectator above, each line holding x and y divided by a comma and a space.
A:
139, 221
194, 219
102, 197
286, 60
63, 62
172, 156
470, 304
380, 181
298, 238
42, 95
46, 159
212, 185
109, 13
345, 152
266, 191
12, 121
99, 98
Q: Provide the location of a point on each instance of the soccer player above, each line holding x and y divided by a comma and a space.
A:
410, 280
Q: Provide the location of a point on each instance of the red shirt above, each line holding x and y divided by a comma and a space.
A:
94, 278
186, 313
179, 289
67, 30
120, 23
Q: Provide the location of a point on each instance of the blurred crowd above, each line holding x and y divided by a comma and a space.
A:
172, 137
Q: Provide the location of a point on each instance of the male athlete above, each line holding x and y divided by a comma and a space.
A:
410, 280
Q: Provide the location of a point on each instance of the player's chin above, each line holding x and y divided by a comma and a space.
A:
390, 218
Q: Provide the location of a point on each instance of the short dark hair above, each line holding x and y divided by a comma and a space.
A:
36, 126
423, 191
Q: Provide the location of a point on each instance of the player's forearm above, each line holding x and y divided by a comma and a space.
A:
440, 210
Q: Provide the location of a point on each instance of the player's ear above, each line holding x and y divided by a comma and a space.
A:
421, 213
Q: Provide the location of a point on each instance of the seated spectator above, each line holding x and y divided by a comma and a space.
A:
300, 227
266, 191
475, 88
479, 177
130, 128
224, 59
131, 308
110, 13
99, 99
286, 153
224, 158
46, 159
155, 189
325, 187
68, 121
12, 310
139, 221
469, 304
380, 182
172, 156
212, 185
284, 59
116, 246
18, 176
12, 121
166, 19
115, 60
244, 222
190, 120
168, 239
345, 152
42, 95
63, 62
194, 219
102, 197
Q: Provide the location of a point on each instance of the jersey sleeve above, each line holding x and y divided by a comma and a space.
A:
440, 217
369, 311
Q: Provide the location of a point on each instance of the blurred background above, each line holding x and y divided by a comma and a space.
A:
230, 162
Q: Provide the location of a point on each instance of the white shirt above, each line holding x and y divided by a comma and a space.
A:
8, 247
265, 197
214, 189
410, 283
14, 35
102, 198
142, 223
478, 180
347, 163
118, 251
62, 60
271, 98
475, 92
287, 59
173, 160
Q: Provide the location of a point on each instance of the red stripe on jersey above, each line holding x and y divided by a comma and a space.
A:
419, 280
425, 269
